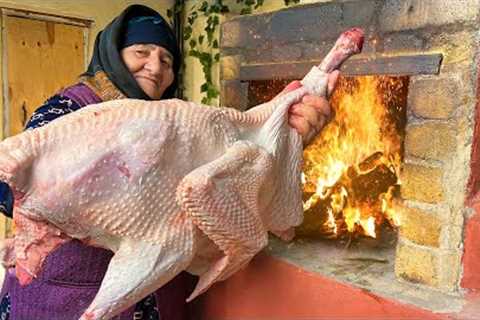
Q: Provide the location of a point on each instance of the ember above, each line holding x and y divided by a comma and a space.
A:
351, 169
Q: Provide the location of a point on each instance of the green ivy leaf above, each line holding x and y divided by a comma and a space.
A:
210, 33
215, 8
224, 9
195, 53
206, 58
210, 21
212, 93
187, 32
192, 17
211, 10
203, 8
259, 4
246, 11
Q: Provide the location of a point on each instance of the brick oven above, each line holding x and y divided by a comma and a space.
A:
429, 266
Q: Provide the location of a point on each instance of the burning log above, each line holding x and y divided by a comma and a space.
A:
336, 211
372, 178
350, 170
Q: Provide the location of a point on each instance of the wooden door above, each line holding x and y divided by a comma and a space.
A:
41, 58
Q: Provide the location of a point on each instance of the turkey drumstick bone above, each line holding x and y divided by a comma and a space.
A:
315, 82
349, 43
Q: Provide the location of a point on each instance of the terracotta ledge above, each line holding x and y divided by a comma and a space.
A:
471, 257
369, 266
305, 281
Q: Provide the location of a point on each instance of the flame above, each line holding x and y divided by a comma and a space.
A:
331, 223
351, 170
369, 226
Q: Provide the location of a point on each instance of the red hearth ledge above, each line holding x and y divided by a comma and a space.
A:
270, 288
471, 257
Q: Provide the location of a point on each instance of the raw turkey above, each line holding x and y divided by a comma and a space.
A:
166, 185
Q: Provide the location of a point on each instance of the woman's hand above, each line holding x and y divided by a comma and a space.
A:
310, 115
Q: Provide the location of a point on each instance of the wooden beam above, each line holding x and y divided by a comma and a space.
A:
76, 21
395, 66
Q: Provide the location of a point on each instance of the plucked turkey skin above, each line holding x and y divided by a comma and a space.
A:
166, 185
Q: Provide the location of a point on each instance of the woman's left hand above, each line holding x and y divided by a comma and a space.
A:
310, 115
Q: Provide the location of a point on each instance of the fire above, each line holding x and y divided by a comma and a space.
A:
351, 170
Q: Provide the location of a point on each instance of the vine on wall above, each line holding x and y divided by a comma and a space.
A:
205, 47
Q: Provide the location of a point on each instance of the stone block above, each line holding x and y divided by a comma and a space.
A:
312, 22
421, 183
359, 13
434, 98
234, 94
403, 41
230, 35
417, 264
318, 22
230, 67
456, 47
449, 270
413, 14
315, 50
431, 267
244, 31
258, 55
430, 140
285, 53
452, 237
419, 226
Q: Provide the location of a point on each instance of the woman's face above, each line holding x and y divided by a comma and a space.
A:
151, 66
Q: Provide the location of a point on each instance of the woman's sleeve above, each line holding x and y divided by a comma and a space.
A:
6, 199
52, 109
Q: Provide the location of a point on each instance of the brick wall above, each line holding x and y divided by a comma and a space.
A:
438, 138
441, 107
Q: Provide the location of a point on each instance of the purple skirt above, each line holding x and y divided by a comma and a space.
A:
70, 279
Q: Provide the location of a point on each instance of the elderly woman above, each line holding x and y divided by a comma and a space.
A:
135, 56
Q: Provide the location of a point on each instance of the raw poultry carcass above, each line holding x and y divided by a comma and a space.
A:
166, 185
